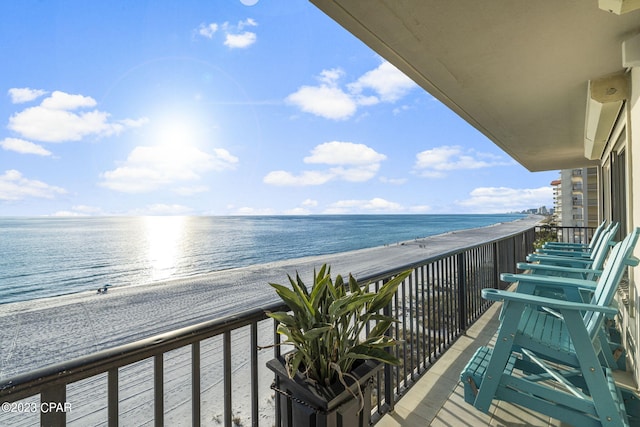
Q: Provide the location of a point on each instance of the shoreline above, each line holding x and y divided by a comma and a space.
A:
82, 296
127, 255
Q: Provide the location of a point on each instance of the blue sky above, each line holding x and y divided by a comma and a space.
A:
224, 108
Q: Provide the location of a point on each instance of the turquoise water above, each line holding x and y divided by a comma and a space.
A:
44, 257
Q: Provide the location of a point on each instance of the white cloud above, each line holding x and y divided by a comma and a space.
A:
65, 101
505, 199
310, 203
436, 162
376, 204
234, 35
13, 186
23, 147
80, 210
383, 84
55, 121
284, 178
394, 181
297, 211
249, 22
207, 30
253, 211
240, 41
358, 173
353, 162
387, 82
25, 94
150, 168
324, 101
344, 153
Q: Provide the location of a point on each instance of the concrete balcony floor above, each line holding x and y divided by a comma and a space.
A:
437, 399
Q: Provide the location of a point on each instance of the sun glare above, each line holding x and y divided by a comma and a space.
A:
165, 241
177, 133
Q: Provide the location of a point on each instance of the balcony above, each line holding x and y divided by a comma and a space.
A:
213, 373
437, 399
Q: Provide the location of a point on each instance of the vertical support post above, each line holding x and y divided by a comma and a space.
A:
424, 323
496, 267
52, 399
276, 354
254, 374
195, 384
413, 318
158, 387
405, 346
388, 371
112, 397
226, 355
462, 292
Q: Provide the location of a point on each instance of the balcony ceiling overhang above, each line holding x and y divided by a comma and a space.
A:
516, 70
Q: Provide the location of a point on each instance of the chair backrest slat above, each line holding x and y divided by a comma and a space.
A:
599, 255
621, 256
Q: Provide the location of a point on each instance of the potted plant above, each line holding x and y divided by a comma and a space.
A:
338, 336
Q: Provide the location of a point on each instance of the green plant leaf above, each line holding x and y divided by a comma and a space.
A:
387, 291
298, 282
380, 342
314, 333
293, 363
282, 317
349, 304
289, 297
381, 327
361, 352
353, 285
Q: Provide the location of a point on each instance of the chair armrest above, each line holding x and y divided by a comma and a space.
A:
565, 245
562, 252
543, 258
557, 268
554, 281
556, 304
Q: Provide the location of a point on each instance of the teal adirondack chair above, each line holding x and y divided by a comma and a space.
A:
577, 252
575, 249
579, 246
547, 355
576, 288
603, 244
583, 269
587, 291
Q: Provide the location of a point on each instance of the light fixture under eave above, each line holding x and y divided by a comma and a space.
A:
605, 97
619, 6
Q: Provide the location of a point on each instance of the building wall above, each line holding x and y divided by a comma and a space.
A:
633, 118
623, 151
576, 198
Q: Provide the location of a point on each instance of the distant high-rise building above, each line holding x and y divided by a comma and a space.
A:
576, 198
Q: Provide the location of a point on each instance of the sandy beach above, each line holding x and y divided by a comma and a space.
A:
41, 332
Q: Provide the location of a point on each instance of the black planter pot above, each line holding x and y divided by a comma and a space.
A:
302, 404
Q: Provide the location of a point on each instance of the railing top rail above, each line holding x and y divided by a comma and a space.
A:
104, 360
442, 255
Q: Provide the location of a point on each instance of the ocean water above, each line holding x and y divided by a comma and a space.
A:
44, 257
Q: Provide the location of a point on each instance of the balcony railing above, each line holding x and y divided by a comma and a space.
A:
565, 234
214, 372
